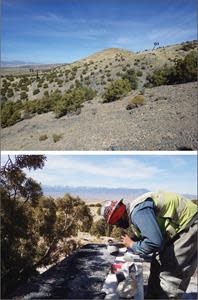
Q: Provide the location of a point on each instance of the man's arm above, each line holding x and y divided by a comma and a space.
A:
144, 218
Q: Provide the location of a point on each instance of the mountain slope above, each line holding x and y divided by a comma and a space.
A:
167, 121
95, 71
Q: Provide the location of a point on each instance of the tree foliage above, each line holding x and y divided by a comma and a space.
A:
184, 70
131, 76
72, 100
35, 229
60, 104
117, 89
99, 228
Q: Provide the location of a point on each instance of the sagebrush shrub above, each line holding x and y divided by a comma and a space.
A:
36, 91
57, 137
116, 90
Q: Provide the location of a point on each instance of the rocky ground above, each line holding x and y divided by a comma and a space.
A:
81, 276
167, 121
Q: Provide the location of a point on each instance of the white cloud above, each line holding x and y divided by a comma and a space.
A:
169, 33
174, 174
123, 41
115, 169
50, 17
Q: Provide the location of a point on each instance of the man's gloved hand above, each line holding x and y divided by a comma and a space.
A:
127, 241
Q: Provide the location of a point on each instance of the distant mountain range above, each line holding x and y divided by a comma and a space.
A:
23, 64
94, 194
17, 63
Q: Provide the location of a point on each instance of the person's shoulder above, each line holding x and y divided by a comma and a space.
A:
148, 203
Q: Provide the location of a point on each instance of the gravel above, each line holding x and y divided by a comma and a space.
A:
167, 121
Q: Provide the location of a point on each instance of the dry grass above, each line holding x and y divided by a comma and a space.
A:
57, 137
43, 137
135, 102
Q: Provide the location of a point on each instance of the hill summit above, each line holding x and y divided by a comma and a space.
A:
114, 99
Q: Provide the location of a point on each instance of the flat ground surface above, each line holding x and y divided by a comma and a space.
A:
167, 121
81, 276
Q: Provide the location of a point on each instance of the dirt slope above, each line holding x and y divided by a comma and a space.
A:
167, 121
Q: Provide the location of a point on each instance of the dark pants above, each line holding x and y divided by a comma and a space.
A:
172, 269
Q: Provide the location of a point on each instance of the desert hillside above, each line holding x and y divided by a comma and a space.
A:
167, 121
112, 100
95, 71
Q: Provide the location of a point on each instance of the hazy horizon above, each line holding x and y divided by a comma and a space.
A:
176, 173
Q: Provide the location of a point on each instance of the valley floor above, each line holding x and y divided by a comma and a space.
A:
167, 121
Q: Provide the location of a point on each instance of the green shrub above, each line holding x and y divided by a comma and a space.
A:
139, 73
84, 71
59, 82
46, 93
36, 91
131, 76
116, 90
10, 93
99, 228
189, 46
57, 137
24, 88
23, 95
43, 137
184, 70
45, 86
43, 105
10, 113
3, 100
72, 100
16, 117
3, 92
6, 113
74, 69
67, 72
61, 104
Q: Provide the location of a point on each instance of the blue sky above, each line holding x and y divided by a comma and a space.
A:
170, 172
60, 31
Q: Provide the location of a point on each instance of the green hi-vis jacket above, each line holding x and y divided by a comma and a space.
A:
173, 211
